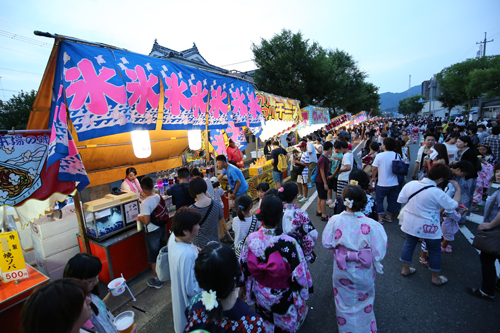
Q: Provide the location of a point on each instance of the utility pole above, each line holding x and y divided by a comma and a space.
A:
484, 44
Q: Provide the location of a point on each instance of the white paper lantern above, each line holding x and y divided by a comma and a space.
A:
194, 139
141, 144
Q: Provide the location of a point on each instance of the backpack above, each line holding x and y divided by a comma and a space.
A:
159, 217
282, 164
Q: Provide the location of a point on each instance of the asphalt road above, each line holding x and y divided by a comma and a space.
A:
402, 304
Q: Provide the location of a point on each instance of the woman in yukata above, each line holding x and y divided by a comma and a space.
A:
277, 279
296, 222
359, 244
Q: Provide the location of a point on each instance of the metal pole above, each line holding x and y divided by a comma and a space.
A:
207, 144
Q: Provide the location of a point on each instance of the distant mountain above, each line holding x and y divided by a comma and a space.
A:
391, 100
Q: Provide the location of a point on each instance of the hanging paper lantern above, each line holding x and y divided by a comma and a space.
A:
194, 139
141, 144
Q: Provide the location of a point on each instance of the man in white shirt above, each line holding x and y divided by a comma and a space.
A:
388, 185
313, 159
451, 145
345, 167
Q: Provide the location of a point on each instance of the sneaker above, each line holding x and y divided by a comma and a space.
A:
332, 205
329, 202
310, 185
303, 200
155, 283
479, 293
300, 197
481, 204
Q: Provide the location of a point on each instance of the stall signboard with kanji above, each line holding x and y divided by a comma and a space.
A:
12, 262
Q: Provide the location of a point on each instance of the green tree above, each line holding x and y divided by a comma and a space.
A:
15, 112
485, 81
291, 66
410, 105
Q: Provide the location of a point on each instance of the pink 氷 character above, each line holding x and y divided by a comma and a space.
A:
220, 144
253, 105
174, 95
142, 89
217, 102
93, 87
237, 103
198, 94
233, 131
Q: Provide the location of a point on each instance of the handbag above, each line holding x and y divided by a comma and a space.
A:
400, 167
488, 240
162, 266
297, 169
239, 246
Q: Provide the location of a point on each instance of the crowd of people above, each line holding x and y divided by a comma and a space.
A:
213, 285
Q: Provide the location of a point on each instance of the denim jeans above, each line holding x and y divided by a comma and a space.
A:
391, 192
278, 177
433, 246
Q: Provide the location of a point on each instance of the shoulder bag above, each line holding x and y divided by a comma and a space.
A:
402, 212
488, 240
239, 246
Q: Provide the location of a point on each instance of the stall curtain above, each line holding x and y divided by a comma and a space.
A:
23, 177
279, 108
112, 91
337, 121
317, 115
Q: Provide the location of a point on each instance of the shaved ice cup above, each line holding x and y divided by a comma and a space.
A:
117, 286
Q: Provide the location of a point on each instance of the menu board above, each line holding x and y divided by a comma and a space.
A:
131, 211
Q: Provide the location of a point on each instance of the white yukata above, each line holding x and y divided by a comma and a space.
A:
184, 287
354, 287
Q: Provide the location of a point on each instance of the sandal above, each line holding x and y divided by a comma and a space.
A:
412, 270
424, 262
387, 219
447, 249
318, 214
442, 280
325, 218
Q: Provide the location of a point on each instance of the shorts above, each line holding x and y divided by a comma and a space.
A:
340, 186
155, 240
293, 176
322, 193
278, 176
302, 179
332, 183
311, 167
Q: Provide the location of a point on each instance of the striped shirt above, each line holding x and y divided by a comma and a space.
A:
209, 231
305, 159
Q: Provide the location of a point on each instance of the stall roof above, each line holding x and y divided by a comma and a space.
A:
107, 158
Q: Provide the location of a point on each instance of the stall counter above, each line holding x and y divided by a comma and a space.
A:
12, 297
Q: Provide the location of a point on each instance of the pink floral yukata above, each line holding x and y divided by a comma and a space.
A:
353, 281
277, 279
297, 224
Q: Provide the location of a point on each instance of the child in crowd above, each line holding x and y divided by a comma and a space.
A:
484, 176
244, 223
180, 192
262, 189
359, 244
296, 222
345, 168
336, 160
367, 160
359, 177
218, 308
218, 191
86, 267
156, 235
381, 138
181, 260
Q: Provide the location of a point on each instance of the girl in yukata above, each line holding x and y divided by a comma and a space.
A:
276, 276
296, 222
218, 308
484, 176
359, 244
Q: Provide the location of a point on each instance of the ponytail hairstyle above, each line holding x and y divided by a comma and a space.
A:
290, 191
272, 192
244, 203
217, 271
271, 211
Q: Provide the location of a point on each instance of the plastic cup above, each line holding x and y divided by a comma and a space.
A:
124, 322
117, 286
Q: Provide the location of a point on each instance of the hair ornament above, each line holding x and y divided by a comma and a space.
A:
281, 189
353, 182
348, 202
241, 207
258, 211
209, 299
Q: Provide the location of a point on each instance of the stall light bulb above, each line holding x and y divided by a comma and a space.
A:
141, 144
194, 139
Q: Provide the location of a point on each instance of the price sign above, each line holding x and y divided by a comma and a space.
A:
12, 262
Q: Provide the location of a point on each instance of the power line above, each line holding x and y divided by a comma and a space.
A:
11, 90
13, 70
468, 51
236, 63
24, 39
6, 48
1, 87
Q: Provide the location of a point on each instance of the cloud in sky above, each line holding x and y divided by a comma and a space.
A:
389, 39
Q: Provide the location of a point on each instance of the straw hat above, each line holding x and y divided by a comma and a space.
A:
329, 137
